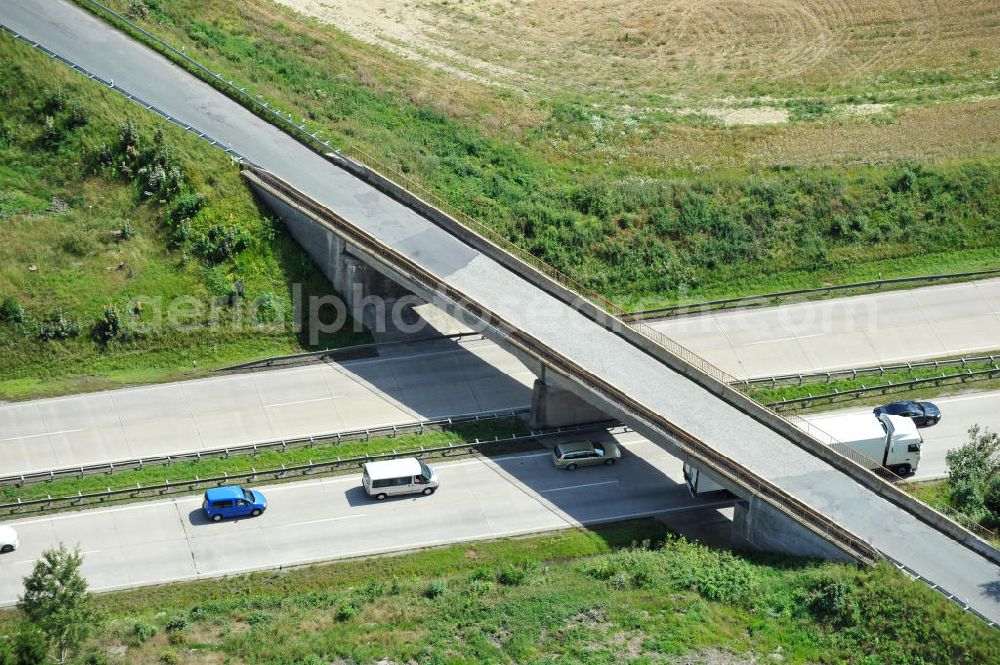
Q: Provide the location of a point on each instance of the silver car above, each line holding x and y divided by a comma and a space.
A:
585, 453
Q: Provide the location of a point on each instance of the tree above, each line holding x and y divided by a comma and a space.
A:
971, 469
56, 599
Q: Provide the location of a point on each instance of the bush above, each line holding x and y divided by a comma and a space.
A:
221, 242
267, 308
126, 232
128, 134
346, 612
52, 134
31, 647
169, 658
58, 326
435, 588
143, 631
510, 575
177, 623
53, 100
78, 115
111, 327
186, 206
833, 601
11, 311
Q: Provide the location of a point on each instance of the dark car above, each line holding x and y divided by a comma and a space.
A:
924, 414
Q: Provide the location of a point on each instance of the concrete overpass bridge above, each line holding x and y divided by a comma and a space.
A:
798, 494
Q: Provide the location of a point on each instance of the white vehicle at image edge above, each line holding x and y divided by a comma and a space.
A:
8, 539
399, 476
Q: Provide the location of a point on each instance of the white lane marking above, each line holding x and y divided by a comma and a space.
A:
324, 519
786, 339
301, 401
949, 400
39, 559
575, 487
35, 436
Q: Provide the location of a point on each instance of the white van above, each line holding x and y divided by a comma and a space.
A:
399, 476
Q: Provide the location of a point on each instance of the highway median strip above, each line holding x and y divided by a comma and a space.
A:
322, 459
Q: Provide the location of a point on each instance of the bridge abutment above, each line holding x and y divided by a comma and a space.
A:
760, 527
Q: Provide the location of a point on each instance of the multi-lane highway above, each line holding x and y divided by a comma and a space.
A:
331, 518
642, 386
477, 376
877, 329
960, 413
231, 410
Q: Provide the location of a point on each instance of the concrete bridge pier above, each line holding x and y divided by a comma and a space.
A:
553, 405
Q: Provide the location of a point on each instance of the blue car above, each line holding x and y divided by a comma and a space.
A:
232, 501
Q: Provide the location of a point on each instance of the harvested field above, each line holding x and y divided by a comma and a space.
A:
685, 49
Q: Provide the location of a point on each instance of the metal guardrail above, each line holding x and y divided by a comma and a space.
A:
701, 454
357, 351
856, 372
313, 141
344, 436
50, 503
961, 602
228, 149
772, 298
961, 377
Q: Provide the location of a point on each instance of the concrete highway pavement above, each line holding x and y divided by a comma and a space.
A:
558, 329
882, 328
959, 413
330, 518
471, 377
249, 408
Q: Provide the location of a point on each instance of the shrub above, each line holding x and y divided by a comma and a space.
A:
31, 647
346, 612
221, 242
78, 115
53, 100
833, 601
186, 206
126, 232
143, 631
480, 587
11, 311
435, 588
52, 134
177, 623
111, 327
267, 308
128, 134
510, 575
58, 326
169, 658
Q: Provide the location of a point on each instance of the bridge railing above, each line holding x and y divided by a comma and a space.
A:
700, 453
312, 140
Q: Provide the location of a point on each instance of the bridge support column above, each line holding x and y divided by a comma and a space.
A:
554, 406
763, 528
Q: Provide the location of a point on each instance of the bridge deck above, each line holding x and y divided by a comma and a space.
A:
72, 33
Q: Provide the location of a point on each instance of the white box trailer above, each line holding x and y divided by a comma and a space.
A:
889, 441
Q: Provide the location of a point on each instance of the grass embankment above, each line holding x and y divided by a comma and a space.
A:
271, 459
123, 240
571, 597
770, 395
585, 193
